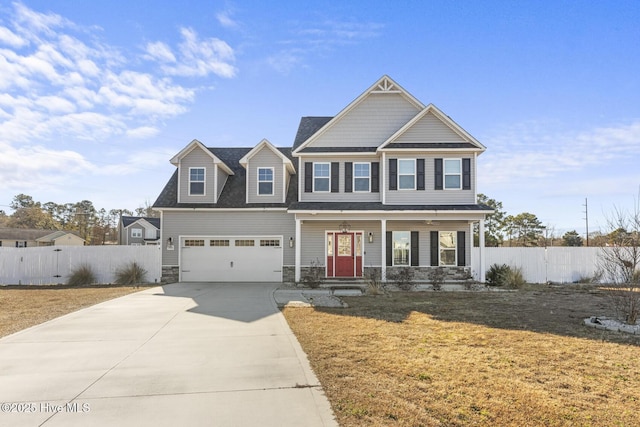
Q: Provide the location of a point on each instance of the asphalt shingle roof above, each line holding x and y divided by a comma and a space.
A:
308, 126
128, 220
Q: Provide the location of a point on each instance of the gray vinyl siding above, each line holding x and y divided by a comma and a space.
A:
198, 159
313, 243
430, 196
429, 129
424, 236
341, 196
227, 223
265, 158
222, 180
370, 123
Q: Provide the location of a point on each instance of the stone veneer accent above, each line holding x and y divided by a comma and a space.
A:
170, 275
452, 274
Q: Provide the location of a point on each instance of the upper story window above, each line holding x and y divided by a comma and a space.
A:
406, 174
136, 233
361, 176
196, 181
265, 181
321, 176
453, 174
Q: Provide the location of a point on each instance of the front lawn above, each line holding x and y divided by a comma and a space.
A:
458, 359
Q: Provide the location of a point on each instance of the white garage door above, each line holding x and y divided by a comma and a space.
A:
231, 259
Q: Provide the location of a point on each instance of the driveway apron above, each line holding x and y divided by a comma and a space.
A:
189, 354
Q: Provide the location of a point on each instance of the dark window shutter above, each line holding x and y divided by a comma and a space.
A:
375, 177
393, 174
348, 176
335, 177
462, 245
308, 177
434, 248
389, 248
466, 174
415, 255
420, 170
438, 174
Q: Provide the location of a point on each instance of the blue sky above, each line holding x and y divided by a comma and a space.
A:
96, 97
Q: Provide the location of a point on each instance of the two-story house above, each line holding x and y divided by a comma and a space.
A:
387, 183
138, 231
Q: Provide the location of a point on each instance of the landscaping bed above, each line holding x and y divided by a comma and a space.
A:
473, 358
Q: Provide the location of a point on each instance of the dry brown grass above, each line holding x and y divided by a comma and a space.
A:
22, 306
457, 359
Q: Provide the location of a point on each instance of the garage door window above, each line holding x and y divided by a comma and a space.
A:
273, 242
245, 242
194, 242
218, 243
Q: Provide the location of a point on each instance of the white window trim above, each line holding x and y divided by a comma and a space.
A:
136, 233
415, 174
273, 184
444, 174
204, 182
353, 184
393, 257
455, 249
322, 177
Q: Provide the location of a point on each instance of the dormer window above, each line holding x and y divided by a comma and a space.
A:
196, 181
265, 181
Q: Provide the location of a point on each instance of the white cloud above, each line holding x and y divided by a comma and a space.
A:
143, 132
224, 18
531, 150
160, 52
10, 38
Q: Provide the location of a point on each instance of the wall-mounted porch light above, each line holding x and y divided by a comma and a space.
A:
370, 237
345, 227
169, 243
290, 242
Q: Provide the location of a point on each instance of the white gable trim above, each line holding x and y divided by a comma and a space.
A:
197, 144
443, 118
244, 161
384, 85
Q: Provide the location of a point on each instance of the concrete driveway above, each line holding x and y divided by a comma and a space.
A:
188, 354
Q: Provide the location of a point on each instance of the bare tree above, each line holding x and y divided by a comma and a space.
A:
619, 262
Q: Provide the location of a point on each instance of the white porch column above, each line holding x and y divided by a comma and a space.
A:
383, 240
298, 246
481, 251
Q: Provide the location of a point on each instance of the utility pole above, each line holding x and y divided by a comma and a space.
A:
586, 218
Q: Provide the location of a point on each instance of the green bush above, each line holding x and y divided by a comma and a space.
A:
82, 275
497, 275
402, 277
515, 279
314, 275
131, 274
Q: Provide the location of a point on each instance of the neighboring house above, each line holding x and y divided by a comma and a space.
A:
137, 231
27, 238
388, 183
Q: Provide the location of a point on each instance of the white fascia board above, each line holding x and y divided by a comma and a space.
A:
338, 154
175, 160
244, 161
220, 209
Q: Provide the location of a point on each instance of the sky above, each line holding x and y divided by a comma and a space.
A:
96, 97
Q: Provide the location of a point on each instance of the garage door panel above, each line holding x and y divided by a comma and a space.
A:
232, 263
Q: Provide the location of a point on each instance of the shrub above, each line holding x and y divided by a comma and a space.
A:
314, 276
131, 274
82, 275
375, 286
403, 278
436, 277
515, 279
497, 275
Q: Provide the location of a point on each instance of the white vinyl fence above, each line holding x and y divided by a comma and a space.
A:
555, 264
54, 264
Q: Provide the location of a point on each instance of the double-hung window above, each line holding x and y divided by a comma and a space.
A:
196, 181
453, 174
361, 176
136, 233
321, 176
401, 248
447, 248
406, 174
265, 181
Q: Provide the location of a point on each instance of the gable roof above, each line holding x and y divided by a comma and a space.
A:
56, 235
466, 140
130, 220
175, 160
307, 127
31, 234
233, 193
262, 144
384, 85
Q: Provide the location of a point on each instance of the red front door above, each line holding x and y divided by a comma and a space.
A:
344, 257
